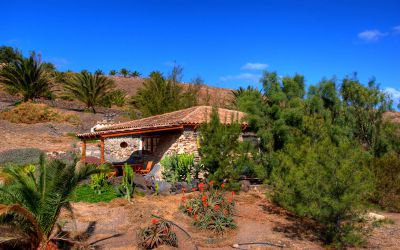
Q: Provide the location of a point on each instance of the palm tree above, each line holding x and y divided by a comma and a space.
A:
135, 74
99, 72
124, 72
89, 89
250, 92
113, 72
26, 76
32, 201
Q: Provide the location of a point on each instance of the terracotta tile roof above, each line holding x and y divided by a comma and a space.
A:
190, 116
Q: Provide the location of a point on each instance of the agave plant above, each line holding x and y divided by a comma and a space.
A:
32, 201
27, 76
91, 89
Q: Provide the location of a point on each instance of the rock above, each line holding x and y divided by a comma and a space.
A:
146, 191
142, 184
187, 187
164, 188
374, 216
195, 183
244, 185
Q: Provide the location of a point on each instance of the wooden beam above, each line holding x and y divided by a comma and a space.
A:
83, 151
141, 132
102, 150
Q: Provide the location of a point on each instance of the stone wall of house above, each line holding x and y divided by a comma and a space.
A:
118, 149
185, 143
170, 142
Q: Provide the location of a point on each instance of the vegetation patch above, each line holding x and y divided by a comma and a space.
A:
31, 113
86, 193
179, 167
33, 198
20, 156
212, 209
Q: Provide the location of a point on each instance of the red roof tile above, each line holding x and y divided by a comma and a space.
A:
190, 116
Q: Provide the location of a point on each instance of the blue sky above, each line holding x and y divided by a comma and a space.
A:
228, 43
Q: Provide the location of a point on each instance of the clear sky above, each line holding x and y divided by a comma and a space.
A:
228, 43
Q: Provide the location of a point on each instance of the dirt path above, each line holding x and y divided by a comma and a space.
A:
258, 220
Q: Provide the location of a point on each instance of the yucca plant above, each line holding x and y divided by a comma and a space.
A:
34, 197
26, 76
91, 89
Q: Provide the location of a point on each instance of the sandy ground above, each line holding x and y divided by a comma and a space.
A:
115, 224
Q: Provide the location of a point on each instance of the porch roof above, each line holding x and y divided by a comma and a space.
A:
193, 116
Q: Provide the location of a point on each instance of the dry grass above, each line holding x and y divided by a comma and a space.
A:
31, 113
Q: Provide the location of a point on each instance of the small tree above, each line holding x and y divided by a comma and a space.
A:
365, 107
124, 72
89, 89
26, 76
218, 147
112, 72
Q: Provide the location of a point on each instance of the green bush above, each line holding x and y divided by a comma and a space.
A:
386, 170
178, 167
20, 156
327, 183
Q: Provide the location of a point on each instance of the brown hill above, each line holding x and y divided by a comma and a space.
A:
208, 95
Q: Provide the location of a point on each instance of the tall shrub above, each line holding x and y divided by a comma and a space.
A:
324, 182
218, 147
386, 170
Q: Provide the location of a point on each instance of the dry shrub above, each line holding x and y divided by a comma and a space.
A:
31, 113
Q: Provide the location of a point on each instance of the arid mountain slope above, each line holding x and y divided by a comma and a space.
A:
208, 95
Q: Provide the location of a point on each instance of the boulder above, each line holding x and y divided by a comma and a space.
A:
244, 185
374, 216
164, 188
141, 183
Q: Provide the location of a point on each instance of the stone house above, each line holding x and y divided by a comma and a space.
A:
151, 138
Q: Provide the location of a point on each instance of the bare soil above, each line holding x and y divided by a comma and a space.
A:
114, 225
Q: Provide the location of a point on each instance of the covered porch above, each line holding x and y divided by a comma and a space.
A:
139, 148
